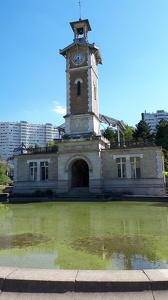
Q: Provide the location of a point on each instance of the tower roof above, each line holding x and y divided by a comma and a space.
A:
80, 29
93, 48
81, 23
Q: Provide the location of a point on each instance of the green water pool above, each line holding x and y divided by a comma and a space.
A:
90, 236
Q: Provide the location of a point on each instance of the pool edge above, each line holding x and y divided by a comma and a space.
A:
20, 280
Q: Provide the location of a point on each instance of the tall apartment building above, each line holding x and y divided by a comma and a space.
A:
13, 134
154, 118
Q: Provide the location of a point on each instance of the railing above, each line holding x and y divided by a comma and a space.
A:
132, 144
53, 149
126, 144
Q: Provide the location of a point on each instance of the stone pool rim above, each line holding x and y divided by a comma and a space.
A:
22, 280
108, 197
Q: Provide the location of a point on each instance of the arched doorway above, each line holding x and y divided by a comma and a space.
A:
80, 173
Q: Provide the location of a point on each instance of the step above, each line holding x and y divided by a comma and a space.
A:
80, 192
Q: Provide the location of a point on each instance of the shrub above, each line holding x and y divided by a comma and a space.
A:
48, 192
39, 193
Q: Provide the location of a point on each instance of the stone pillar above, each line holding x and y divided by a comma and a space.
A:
15, 169
128, 167
159, 164
38, 170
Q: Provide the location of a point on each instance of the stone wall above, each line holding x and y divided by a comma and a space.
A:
148, 162
79, 104
103, 176
70, 152
151, 181
22, 183
23, 165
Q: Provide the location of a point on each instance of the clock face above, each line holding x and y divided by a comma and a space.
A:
78, 58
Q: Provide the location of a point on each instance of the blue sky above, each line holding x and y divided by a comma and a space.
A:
133, 40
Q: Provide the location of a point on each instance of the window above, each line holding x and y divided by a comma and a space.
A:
95, 92
78, 88
128, 166
44, 170
78, 82
33, 171
135, 167
121, 167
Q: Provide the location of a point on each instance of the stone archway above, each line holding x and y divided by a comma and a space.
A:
80, 173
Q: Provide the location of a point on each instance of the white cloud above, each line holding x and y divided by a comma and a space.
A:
27, 111
59, 109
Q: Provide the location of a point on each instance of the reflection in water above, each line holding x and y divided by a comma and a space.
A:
138, 262
35, 260
21, 240
124, 249
111, 235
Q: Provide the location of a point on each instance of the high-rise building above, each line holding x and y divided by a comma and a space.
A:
13, 134
154, 118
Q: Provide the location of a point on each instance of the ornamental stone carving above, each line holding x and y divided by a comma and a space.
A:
78, 148
79, 124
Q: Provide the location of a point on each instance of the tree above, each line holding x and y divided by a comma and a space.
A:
143, 131
3, 177
161, 137
128, 133
52, 145
36, 146
9, 170
110, 135
2, 170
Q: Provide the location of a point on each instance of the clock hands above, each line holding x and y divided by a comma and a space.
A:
78, 58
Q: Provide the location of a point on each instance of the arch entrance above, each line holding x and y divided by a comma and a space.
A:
80, 173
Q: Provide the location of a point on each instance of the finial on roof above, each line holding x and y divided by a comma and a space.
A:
79, 3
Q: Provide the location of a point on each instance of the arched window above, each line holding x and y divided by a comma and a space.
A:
78, 82
78, 88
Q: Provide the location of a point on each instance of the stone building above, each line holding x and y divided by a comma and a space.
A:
84, 158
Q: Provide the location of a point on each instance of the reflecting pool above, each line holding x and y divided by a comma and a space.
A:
78, 235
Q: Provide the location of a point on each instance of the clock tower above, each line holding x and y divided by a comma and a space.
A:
82, 59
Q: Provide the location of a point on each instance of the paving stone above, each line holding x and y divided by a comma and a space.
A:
36, 280
147, 295
160, 295
111, 281
158, 278
4, 272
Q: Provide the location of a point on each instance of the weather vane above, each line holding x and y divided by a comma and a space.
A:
79, 3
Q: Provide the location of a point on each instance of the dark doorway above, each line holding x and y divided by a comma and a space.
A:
80, 173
